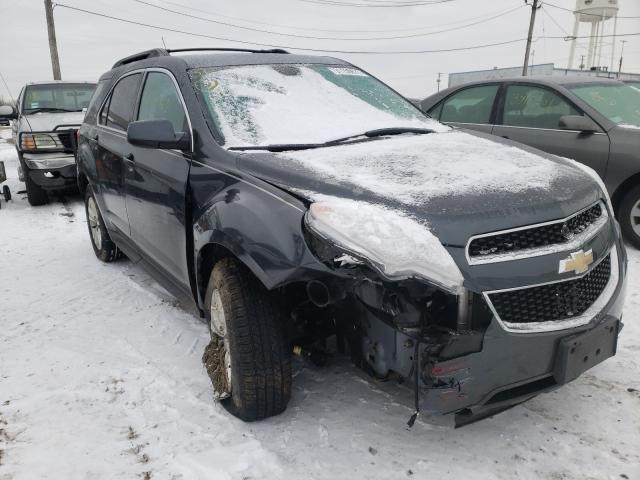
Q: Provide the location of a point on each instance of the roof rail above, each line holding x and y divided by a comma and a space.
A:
154, 52
249, 50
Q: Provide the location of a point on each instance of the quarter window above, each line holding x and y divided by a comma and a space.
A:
471, 105
160, 101
122, 102
535, 107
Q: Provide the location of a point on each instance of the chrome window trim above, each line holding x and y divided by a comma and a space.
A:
575, 242
554, 325
548, 129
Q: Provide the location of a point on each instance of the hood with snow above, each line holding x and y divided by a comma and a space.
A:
457, 184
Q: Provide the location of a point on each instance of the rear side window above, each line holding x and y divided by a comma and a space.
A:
160, 101
471, 105
534, 107
123, 101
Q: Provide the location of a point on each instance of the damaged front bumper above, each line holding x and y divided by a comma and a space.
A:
51, 171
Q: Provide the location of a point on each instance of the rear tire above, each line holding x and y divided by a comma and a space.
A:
36, 195
249, 358
103, 246
6, 193
629, 216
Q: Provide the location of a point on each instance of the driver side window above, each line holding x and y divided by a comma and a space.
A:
160, 101
534, 107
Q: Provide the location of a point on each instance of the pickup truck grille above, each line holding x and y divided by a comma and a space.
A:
531, 238
552, 302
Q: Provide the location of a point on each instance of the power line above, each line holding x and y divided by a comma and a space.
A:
387, 4
143, 2
291, 27
586, 14
319, 50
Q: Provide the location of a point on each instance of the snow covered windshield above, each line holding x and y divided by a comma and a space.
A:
619, 103
256, 105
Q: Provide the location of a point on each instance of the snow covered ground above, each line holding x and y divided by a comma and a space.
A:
100, 378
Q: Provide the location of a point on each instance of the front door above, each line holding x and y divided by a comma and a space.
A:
111, 142
530, 114
156, 182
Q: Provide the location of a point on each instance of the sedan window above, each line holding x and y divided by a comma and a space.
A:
619, 103
535, 107
471, 105
160, 101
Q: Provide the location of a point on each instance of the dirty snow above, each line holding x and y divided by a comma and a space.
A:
415, 168
396, 243
100, 378
267, 104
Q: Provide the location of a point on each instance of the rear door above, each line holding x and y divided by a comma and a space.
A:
472, 107
156, 181
111, 141
530, 114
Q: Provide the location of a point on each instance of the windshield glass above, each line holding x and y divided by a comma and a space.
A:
256, 105
57, 96
619, 103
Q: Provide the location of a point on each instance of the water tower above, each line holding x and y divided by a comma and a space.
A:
597, 13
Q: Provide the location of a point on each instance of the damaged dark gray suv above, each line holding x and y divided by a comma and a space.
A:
298, 199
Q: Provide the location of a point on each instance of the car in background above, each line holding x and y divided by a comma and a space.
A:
47, 117
295, 199
592, 120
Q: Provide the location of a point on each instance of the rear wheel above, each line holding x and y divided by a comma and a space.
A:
103, 246
36, 195
248, 359
629, 216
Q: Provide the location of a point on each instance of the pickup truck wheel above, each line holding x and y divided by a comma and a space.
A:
629, 216
6, 193
35, 194
248, 359
103, 246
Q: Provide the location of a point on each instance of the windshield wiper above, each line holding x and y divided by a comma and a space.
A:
50, 109
368, 135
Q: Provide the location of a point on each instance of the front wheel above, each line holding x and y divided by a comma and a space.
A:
103, 246
36, 195
629, 216
6, 193
248, 359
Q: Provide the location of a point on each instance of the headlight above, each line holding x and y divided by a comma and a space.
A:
393, 243
30, 142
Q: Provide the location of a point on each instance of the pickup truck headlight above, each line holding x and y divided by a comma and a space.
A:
393, 243
31, 142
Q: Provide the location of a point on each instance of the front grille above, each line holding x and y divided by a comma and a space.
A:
558, 233
553, 302
65, 139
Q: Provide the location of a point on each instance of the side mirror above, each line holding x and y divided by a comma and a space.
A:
157, 134
579, 123
7, 111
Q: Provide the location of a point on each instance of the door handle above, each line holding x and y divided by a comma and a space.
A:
130, 157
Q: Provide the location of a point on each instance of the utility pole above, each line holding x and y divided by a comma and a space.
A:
534, 10
439, 75
582, 62
621, 57
53, 45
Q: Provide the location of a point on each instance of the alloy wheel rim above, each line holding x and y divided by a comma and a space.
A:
94, 223
635, 218
218, 327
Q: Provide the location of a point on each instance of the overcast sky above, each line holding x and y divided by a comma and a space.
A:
89, 45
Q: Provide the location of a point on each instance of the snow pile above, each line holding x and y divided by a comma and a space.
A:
398, 245
415, 168
265, 104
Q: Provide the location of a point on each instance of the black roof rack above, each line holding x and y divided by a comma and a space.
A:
161, 52
154, 52
249, 50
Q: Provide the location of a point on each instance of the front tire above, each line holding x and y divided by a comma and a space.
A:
103, 246
629, 216
248, 359
36, 195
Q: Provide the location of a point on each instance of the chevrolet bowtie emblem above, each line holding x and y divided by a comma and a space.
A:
577, 262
